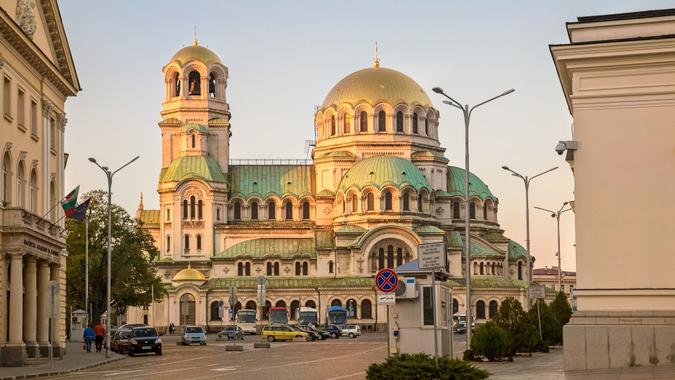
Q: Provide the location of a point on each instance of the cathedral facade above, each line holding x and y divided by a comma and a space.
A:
377, 186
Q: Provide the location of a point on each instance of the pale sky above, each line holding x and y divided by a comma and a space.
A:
284, 57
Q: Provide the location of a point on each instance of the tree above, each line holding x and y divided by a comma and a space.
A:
511, 317
133, 251
551, 329
561, 309
490, 341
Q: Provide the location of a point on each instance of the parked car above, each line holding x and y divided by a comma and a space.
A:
120, 341
282, 332
332, 330
232, 333
130, 326
193, 334
322, 334
351, 331
143, 340
460, 328
312, 335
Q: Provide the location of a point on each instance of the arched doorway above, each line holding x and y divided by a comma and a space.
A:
480, 310
215, 315
251, 305
310, 303
492, 308
295, 306
336, 302
366, 309
187, 309
351, 308
145, 319
266, 310
280, 303
455, 306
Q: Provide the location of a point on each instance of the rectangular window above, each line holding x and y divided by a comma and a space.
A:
52, 134
33, 118
7, 97
21, 109
427, 307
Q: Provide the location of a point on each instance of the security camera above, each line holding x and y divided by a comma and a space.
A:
560, 148
569, 145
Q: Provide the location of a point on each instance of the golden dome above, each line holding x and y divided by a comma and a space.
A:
374, 85
189, 274
195, 53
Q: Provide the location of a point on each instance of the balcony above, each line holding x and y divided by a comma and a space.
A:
49, 236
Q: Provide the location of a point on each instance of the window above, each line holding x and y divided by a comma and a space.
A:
176, 84
351, 308
347, 126
333, 130
380, 259
305, 268
168, 214
381, 122
420, 203
387, 201
485, 211
20, 193
21, 109
480, 310
426, 126
366, 309
370, 202
6, 178
455, 210
269, 268
212, 85
52, 133
472, 210
240, 269
215, 315
415, 121
199, 242
336, 302
52, 200
481, 268
276, 268
237, 211
363, 120
194, 83
199, 209
520, 270
390, 256
399, 257
185, 209
295, 305
168, 243
455, 306
194, 138
298, 268
254, 210
218, 213
33, 191
331, 268
271, 211
354, 204
406, 202
427, 307
289, 210
192, 207
305, 210
247, 267
7, 100
33, 118
399, 121
187, 243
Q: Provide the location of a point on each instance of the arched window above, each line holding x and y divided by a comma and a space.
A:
251, 305
492, 309
212, 85
269, 268
485, 211
480, 310
415, 121
493, 268
187, 243
240, 269
420, 203
310, 303
298, 268
380, 259
455, 210
289, 210
271, 210
305, 268
481, 269
387, 200
363, 120
381, 121
330, 267
370, 202
6, 178
194, 140
20, 193
168, 214
185, 209
194, 83
347, 126
520, 270
455, 306
276, 268
336, 302
192, 207
366, 309
390, 256
218, 213
237, 211
199, 209
399, 257
33, 191
295, 306
305, 210
247, 268
168, 243
406, 202
472, 210
426, 126
354, 203
214, 311
254, 210
199, 242
351, 308
399, 121
176, 84
333, 130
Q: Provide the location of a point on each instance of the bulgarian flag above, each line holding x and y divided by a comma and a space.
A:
70, 201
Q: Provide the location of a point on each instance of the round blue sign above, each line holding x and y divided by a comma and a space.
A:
386, 280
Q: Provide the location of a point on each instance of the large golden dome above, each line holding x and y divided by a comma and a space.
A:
189, 274
374, 85
195, 53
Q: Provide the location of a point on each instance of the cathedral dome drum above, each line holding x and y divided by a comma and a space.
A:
380, 171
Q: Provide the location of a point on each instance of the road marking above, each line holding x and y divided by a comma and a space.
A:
347, 376
224, 369
121, 372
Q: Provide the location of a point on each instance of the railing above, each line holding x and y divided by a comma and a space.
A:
270, 161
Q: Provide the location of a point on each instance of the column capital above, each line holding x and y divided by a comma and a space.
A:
43, 263
30, 259
15, 255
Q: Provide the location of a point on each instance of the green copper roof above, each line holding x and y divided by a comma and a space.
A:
349, 229
291, 282
338, 154
267, 180
149, 217
479, 248
384, 170
488, 282
204, 167
195, 127
275, 247
516, 251
324, 239
477, 187
428, 230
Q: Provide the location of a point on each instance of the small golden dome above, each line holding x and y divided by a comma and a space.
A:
195, 53
374, 85
189, 274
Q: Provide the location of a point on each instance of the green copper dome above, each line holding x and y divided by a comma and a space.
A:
384, 170
477, 187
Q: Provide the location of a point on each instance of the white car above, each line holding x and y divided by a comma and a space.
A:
351, 331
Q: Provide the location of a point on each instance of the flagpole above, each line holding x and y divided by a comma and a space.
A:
86, 267
76, 190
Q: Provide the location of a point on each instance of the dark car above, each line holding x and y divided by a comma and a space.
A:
144, 340
313, 335
322, 334
120, 341
332, 330
232, 333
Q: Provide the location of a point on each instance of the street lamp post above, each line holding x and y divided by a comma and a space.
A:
526, 181
109, 176
466, 111
556, 215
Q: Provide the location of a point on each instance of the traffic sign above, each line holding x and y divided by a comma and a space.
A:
386, 299
432, 256
386, 280
537, 291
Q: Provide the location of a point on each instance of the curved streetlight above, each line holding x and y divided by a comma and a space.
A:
467, 111
556, 215
109, 175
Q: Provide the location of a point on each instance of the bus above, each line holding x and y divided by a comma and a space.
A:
336, 315
246, 320
307, 315
278, 316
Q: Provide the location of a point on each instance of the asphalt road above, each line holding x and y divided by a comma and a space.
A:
333, 359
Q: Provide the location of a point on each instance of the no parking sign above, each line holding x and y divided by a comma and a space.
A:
386, 280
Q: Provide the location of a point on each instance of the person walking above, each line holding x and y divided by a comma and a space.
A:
99, 330
88, 336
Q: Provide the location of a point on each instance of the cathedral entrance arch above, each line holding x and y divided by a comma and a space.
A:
389, 247
187, 309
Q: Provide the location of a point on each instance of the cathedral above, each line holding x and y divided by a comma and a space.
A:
378, 185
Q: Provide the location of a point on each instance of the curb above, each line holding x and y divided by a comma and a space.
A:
62, 372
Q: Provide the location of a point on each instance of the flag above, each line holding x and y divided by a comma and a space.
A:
80, 211
70, 201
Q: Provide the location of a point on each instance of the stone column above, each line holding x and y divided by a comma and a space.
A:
58, 343
43, 308
13, 353
30, 307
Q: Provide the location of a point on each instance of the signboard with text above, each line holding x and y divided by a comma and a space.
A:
537, 291
432, 256
386, 298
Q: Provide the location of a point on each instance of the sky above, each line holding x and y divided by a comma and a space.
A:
284, 57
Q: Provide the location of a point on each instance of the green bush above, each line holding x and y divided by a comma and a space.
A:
551, 329
511, 317
491, 342
421, 366
561, 309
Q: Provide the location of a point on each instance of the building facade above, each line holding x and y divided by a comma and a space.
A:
618, 77
549, 278
37, 74
378, 184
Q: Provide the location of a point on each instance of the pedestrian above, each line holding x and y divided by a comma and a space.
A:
99, 330
172, 328
88, 336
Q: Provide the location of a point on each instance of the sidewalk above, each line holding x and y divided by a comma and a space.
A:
75, 359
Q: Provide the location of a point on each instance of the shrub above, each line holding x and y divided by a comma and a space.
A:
561, 309
551, 329
490, 341
421, 366
514, 321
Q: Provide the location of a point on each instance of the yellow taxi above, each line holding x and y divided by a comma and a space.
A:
282, 332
